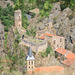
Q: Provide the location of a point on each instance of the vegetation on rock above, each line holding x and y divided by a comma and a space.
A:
7, 17
48, 51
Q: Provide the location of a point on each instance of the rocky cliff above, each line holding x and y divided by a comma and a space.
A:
64, 23
3, 3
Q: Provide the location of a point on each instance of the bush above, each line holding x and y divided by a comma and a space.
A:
17, 39
6, 29
6, 16
48, 51
5, 42
31, 32
25, 23
16, 31
32, 14
44, 54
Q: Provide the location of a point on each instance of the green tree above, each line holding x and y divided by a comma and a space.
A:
68, 3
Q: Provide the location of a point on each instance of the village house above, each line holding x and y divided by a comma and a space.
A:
65, 56
54, 40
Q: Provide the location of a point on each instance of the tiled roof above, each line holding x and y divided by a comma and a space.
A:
30, 55
68, 62
48, 69
70, 56
47, 34
42, 37
30, 52
61, 51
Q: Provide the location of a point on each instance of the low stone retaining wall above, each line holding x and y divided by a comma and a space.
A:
35, 47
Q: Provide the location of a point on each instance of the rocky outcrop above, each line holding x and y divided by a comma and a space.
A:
64, 23
3, 3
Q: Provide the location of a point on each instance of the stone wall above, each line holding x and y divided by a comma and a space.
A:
55, 41
35, 47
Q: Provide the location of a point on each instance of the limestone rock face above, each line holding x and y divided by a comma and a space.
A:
68, 11
3, 3
64, 23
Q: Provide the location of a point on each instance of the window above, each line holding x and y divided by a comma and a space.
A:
19, 16
3, 38
29, 62
32, 66
60, 46
0, 38
19, 25
57, 45
29, 66
60, 39
54, 41
32, 62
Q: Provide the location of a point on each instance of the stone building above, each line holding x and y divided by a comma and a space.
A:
18, 20
65, 56
36, 47
54, 40
1, 37
30, 61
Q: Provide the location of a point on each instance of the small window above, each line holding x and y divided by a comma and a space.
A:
29, 62
32, 62
60, 46
54, 41
29, 66
32, 66
19, 25
3, 38
19, 16
60, 40
57, 45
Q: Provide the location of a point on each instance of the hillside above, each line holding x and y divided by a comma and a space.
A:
52, 20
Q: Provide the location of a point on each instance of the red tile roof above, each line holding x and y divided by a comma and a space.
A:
70, 56
47, 34
42, 37
61, 51
68, 62
48, 69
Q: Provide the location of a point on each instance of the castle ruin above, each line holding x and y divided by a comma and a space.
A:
18, 20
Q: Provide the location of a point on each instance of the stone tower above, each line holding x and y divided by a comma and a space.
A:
30, 61
18, 20
1, 36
